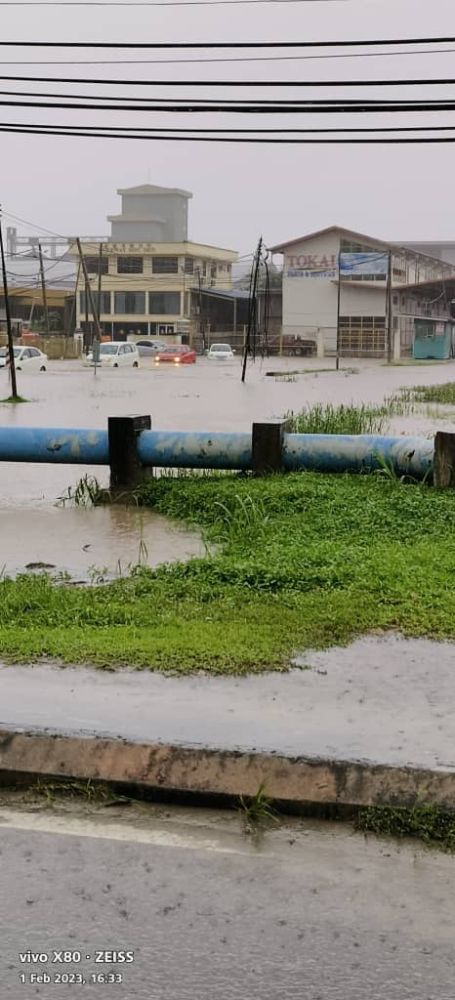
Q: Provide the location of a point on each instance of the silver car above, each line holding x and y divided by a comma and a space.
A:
148, 348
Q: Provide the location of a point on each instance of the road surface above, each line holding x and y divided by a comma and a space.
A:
307, 912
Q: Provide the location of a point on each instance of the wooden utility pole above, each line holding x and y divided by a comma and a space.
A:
88, 292
12, 364
43, 286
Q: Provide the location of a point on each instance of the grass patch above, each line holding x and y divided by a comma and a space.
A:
444, 393
428, 823
14, 399
344, 419
293, 562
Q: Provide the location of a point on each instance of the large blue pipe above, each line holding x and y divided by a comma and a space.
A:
202, 450
73, 446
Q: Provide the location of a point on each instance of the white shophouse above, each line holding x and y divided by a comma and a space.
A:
322, 298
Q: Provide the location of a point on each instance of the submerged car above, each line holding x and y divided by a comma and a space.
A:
115, 354
27, 358
220, 352
179, 354
148, 348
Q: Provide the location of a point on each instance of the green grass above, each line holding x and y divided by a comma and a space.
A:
444, 393
432, 825
14, 399
343, 419
298, 561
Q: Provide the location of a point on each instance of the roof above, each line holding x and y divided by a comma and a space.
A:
329, 229
154, 189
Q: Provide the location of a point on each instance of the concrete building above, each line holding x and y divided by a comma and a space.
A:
317, 307
147, 269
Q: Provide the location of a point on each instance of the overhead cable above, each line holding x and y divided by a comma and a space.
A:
423, 82
223, 59
356, 42
29, 130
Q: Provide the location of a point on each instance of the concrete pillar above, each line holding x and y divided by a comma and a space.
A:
126, 470
320, 343
444, 460
267, 447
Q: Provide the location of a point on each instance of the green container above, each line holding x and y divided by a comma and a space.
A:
432, 340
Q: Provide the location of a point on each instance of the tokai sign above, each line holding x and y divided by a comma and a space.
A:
312, 262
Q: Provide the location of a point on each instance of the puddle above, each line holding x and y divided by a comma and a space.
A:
383, 699
79, 540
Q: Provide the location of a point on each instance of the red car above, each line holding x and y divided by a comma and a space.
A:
180, 354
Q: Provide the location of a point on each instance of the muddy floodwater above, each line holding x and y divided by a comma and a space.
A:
204, 396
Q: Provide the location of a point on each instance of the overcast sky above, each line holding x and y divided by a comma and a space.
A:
239, 192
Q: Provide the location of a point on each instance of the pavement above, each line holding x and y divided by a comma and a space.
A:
369, 723
311, 910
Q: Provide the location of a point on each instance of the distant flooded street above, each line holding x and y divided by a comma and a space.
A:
206, 396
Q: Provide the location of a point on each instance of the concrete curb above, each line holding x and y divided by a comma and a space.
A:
169, 768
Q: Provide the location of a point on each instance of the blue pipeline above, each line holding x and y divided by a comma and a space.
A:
169, 449
41, 444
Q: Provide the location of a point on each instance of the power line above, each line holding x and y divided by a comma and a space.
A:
356, 42
222, 59
424, 82
29, 130
229, 131
149, 3
250, 107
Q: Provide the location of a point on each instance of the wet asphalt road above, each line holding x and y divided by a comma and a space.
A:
314, 912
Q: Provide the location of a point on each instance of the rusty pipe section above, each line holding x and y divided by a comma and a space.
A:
202, 450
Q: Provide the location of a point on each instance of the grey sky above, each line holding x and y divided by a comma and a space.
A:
240, 192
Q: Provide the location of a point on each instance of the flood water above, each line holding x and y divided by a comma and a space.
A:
204, 396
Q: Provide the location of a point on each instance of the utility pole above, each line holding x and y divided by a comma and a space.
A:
252, 310
12, 364
100, 258
389, 309
43, 286
337, 363
88, 292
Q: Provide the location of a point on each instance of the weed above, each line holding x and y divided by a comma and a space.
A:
344, 419
257, 811
14, 399
444, 393
87, 492
71, 788
428, 823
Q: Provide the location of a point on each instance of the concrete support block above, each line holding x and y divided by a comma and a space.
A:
444, 460
126, 469
267, 448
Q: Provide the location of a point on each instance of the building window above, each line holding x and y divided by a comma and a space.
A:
129, 303
105, 302
165, 265
189, 265
130, 265
164, 303
96, 264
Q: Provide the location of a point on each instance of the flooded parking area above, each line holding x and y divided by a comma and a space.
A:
205, 396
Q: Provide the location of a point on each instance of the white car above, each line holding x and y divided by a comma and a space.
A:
220, 352
116, 354
27, 358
